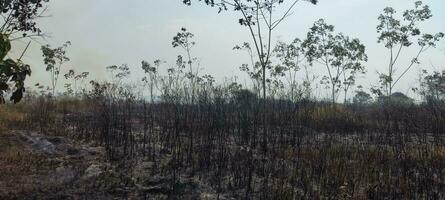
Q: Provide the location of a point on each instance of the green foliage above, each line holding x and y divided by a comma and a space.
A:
19, 17
342, 56
71, 75
11, 71
291, 55
362, 98
291, 58
397, 34
433, 86
152, 79
254, 69
119, 72
183, 39
255, 14
54, 59
117, 87
223, 5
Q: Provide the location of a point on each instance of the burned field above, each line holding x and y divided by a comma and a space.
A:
138, 150
248, 108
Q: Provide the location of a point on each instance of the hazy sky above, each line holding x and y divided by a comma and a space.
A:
107, 32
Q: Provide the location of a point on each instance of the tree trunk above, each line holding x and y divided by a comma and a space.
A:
264, 109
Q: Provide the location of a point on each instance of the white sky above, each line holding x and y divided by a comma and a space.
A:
113, 32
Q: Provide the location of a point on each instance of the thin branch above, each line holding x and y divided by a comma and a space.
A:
28, 36
409, 67
276, 23
23, 53
264, 18
251, 30
398, 54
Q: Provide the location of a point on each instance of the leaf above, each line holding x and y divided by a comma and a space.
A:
3, 86
5, 46
17, 95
